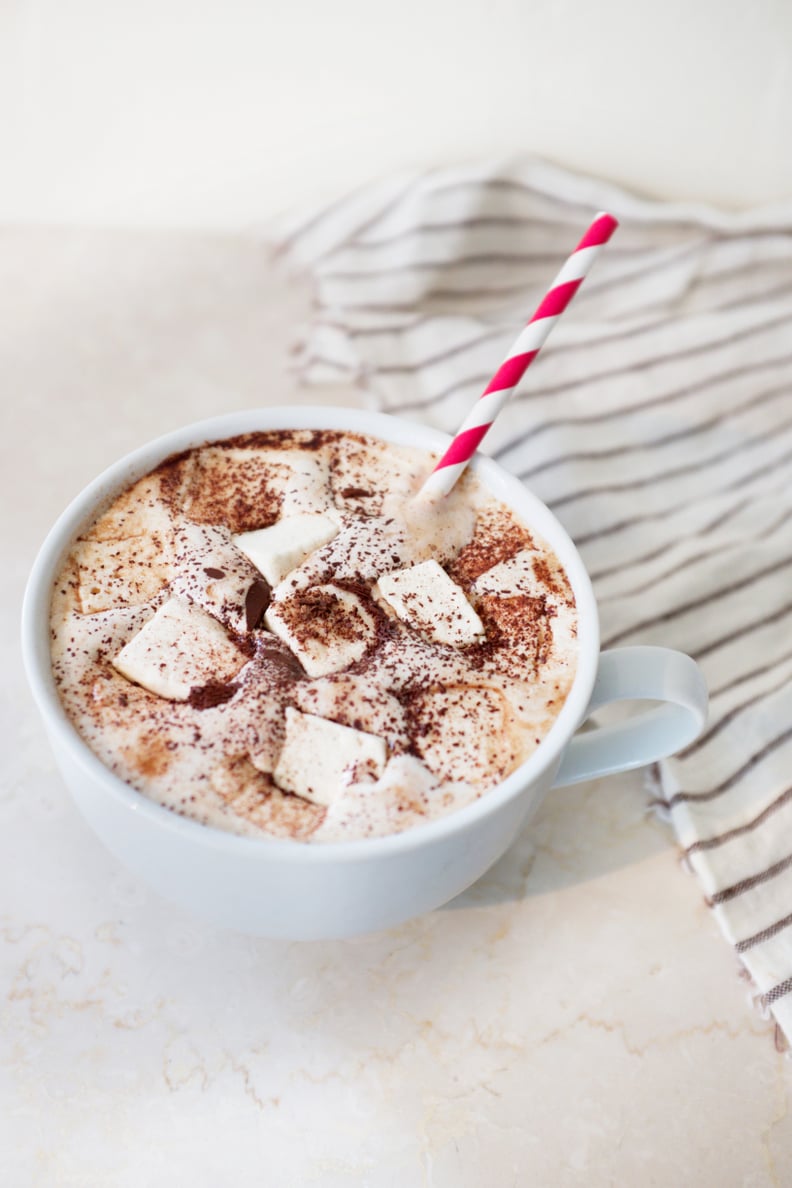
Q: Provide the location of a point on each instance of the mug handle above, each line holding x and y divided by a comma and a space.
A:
638, 674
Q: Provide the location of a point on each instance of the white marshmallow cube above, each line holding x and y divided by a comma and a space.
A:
277, 550
179, 647
518, 576
205, 547
511, 578
426, 598
320, 759
325, 627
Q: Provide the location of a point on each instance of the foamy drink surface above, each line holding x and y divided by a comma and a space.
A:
267, 634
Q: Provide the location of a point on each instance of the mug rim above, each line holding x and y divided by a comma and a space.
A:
63, 733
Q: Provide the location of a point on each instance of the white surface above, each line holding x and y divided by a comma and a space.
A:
574, 1020
222, 112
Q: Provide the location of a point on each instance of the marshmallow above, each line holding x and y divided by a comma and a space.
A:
356, 700
212, 573
252, 796
320, 759
367, 480
530, 574
405, 795
325, 627
302, 477
116, 573
181, 646
513, 577
464, 733
248, 487
361, 551
278, 550
426, 598
135, 513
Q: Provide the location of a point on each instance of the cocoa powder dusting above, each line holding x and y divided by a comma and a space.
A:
497, 537
149, 756
289, 439
317, 614
553, 578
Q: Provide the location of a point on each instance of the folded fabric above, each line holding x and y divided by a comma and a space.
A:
656, 423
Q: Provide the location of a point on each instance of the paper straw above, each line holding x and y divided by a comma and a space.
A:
519, 359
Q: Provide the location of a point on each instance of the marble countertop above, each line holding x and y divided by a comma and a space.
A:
573, 1019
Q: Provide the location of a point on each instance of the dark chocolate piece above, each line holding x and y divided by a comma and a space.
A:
283, 661
214, 573
356, 493
214, 693
256, 602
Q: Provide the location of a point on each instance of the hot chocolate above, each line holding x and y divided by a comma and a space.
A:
270, 635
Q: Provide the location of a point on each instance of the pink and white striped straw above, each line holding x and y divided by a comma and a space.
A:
519, 359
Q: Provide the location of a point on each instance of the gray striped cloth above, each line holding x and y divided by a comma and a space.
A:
657, 423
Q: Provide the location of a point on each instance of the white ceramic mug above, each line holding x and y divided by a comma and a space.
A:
296, 891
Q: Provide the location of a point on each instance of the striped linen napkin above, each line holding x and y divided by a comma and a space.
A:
656, 423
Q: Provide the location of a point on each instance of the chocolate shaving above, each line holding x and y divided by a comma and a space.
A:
356, 493
214, 693
283, 661
256, 602
245, 643
214, 573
